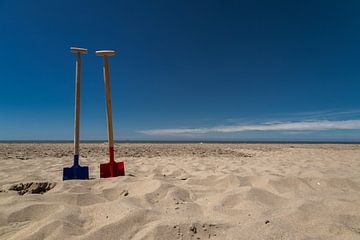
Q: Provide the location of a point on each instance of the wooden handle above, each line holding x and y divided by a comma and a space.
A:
77, 106
108, 102
105, 53
78, 52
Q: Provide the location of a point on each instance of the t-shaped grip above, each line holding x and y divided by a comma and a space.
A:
78, 50
105, 53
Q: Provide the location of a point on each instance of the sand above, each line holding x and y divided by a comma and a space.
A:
183, 191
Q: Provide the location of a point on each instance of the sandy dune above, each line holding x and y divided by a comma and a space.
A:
183, 191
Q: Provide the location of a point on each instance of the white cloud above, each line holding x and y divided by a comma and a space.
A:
276, 126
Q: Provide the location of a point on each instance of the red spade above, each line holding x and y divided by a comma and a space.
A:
111, 169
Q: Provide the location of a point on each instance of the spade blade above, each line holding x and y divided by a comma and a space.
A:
76, 172
112, 169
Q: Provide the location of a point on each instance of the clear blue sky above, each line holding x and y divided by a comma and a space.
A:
238, 70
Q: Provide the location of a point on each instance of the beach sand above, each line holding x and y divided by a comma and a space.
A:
183, 191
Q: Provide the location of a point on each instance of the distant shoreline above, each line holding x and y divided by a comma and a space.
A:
177, 142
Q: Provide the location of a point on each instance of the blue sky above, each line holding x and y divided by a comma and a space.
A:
184, 70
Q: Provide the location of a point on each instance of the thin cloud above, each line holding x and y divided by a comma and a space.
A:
277, 126
329, 114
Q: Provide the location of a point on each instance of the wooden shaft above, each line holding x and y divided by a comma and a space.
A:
108, 103
77, 106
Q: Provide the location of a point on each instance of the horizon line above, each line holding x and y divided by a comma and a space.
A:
185, 141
